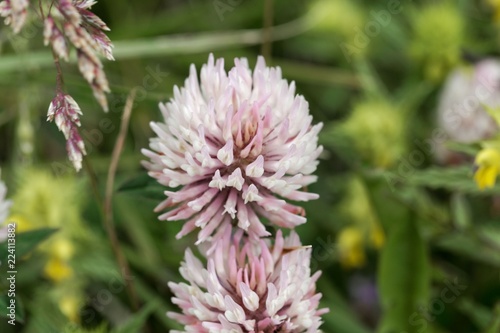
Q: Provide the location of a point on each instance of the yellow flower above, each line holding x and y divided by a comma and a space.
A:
22, 224
48, 201
70, 307
364, 231
496, 10
377, 237
487, 166
60, 248
351, 249
57, 270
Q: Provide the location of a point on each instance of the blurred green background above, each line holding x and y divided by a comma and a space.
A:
405, 239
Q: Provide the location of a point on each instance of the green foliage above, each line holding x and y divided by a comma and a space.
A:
135, 323
452, 178
377, 104
25, 242
404, 276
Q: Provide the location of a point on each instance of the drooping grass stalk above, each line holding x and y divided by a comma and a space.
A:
105, 205
108, 209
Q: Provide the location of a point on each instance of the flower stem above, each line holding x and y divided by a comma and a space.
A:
267, 29
108, 210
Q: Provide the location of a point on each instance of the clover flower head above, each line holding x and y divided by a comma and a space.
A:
437, 52
378, 131
15, 13
467, 103
237, 144
249, 287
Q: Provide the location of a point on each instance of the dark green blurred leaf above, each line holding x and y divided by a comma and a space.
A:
490, 235
140, 181
495, 324
404, 277
370, 81
144, 186
469, 149
479, 314
470, 246
461, 211
453, 179
26, 241
334, 138
20, 313
135, 323
19, 310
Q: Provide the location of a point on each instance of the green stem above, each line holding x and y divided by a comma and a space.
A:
166, 45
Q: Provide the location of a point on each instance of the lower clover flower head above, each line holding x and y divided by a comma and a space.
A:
249, 287
236, 143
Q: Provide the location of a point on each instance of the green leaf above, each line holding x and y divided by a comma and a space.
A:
471, 247
404, 277
72, 328
453, 179
4, 301
26, 241
470, 149
138, 182
489, 234
20, 313
145, 186
164, 45
370, 81
478, 313
135, 323
335, 138
495, 324
461, 211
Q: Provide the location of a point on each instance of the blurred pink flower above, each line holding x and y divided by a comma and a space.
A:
15, 13
249, 287
461, 109
66, 113
236, 143
4, 203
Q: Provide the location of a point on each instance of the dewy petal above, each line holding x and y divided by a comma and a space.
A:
237, 131
247, 287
